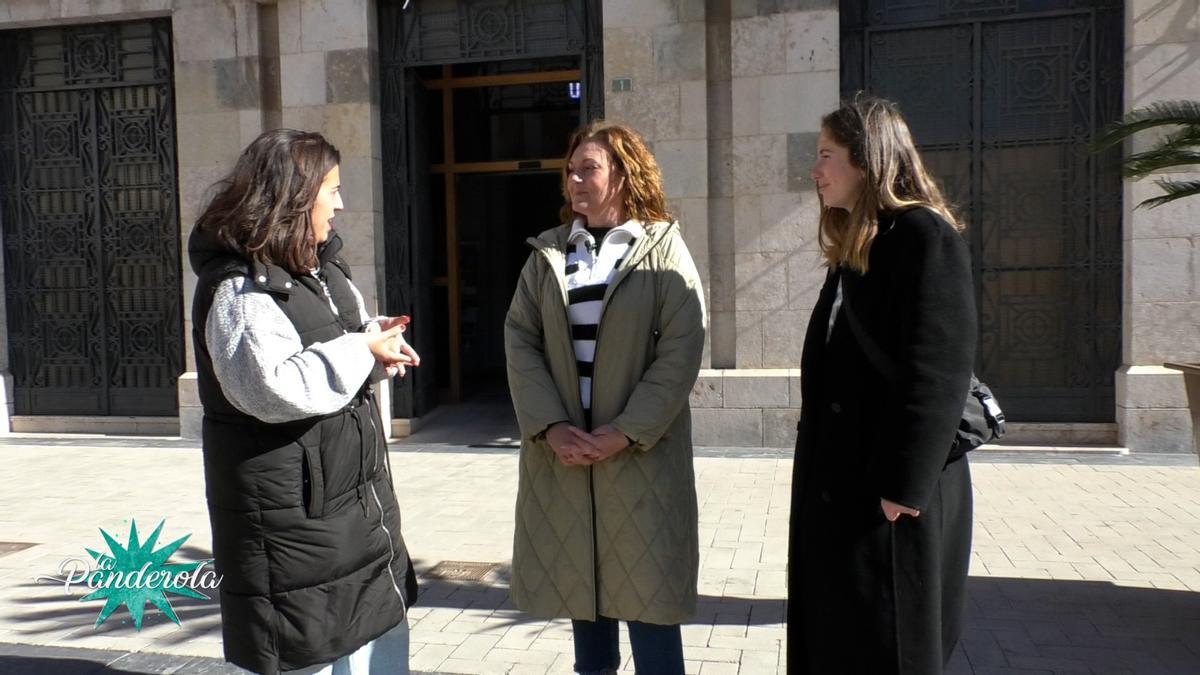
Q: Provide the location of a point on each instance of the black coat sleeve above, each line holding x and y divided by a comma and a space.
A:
934, 308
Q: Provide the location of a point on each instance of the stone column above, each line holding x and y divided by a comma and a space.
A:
218, 111
654, 58
1161, 245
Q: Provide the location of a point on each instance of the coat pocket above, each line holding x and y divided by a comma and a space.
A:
313, 478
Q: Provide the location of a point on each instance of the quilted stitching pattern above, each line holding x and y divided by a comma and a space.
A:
637, 558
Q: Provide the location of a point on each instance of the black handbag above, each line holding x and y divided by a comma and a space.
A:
982, 419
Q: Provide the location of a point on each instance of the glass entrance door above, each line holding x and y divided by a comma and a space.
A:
494, 181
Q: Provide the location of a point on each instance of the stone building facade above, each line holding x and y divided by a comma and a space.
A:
730, 95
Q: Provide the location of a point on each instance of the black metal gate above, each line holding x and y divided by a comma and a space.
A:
438, 33
1004, 97
90, 221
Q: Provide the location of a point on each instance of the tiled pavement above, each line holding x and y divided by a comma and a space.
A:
1083, 563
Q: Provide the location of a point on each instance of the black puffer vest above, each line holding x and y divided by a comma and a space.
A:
305, 524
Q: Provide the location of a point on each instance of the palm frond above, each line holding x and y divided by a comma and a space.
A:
1159, 159
1174, 189
1161, 113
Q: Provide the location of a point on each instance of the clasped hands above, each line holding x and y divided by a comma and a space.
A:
576, 447
386, 341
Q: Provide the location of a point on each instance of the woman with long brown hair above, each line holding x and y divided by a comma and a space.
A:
881, 510
305, 524
603, 341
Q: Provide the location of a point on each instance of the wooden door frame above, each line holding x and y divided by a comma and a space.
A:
450, 170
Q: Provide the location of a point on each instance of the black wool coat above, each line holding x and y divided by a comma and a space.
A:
866, 595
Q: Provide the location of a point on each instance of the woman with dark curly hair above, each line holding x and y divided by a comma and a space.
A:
306, 528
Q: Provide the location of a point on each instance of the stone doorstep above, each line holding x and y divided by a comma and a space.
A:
108, 425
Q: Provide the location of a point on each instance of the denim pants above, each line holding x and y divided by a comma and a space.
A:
657, 650
386, 654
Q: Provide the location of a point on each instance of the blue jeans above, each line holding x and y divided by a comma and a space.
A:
657, 650
387, 653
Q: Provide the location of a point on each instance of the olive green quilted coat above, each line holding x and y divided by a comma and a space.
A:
619, 538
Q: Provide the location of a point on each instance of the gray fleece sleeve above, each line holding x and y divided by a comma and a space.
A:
263, 368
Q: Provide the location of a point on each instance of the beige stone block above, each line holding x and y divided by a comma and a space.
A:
349, 126
746, 106
1175, 219
250, 126
290, 35
95, 9
722, 337
365, 279
205, 139
30, 10
780, 226
358, 183
684, 166
679, 52
626, 55
654, 111
205, 32
795, 102
1162, 269
198, 185
812, 41
326, 26
351, 75
692, 10
302, 79
1151, 386
727, 428
761, 281
638, 13
1163, 331
759, 164
747, 220
693, 109
796, 396
196, 87
749, 347
693, 220
806, 273
745, 388
758, 45
357, 229
1162, 21
783, 338
708, 392
742, 9
779, 427
1155, 429
1154, 73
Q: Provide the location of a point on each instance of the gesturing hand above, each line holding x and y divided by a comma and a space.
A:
388, 347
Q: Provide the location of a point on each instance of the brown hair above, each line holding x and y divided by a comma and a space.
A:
262, 208
874, 132
643, 197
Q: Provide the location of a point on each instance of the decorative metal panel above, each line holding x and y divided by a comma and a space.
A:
1004, 96
91, 235
438, 32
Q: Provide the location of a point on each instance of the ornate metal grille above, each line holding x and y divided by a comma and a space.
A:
1004, 96
88, 206
437, 32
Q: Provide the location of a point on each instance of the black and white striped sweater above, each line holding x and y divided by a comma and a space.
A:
591, 266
